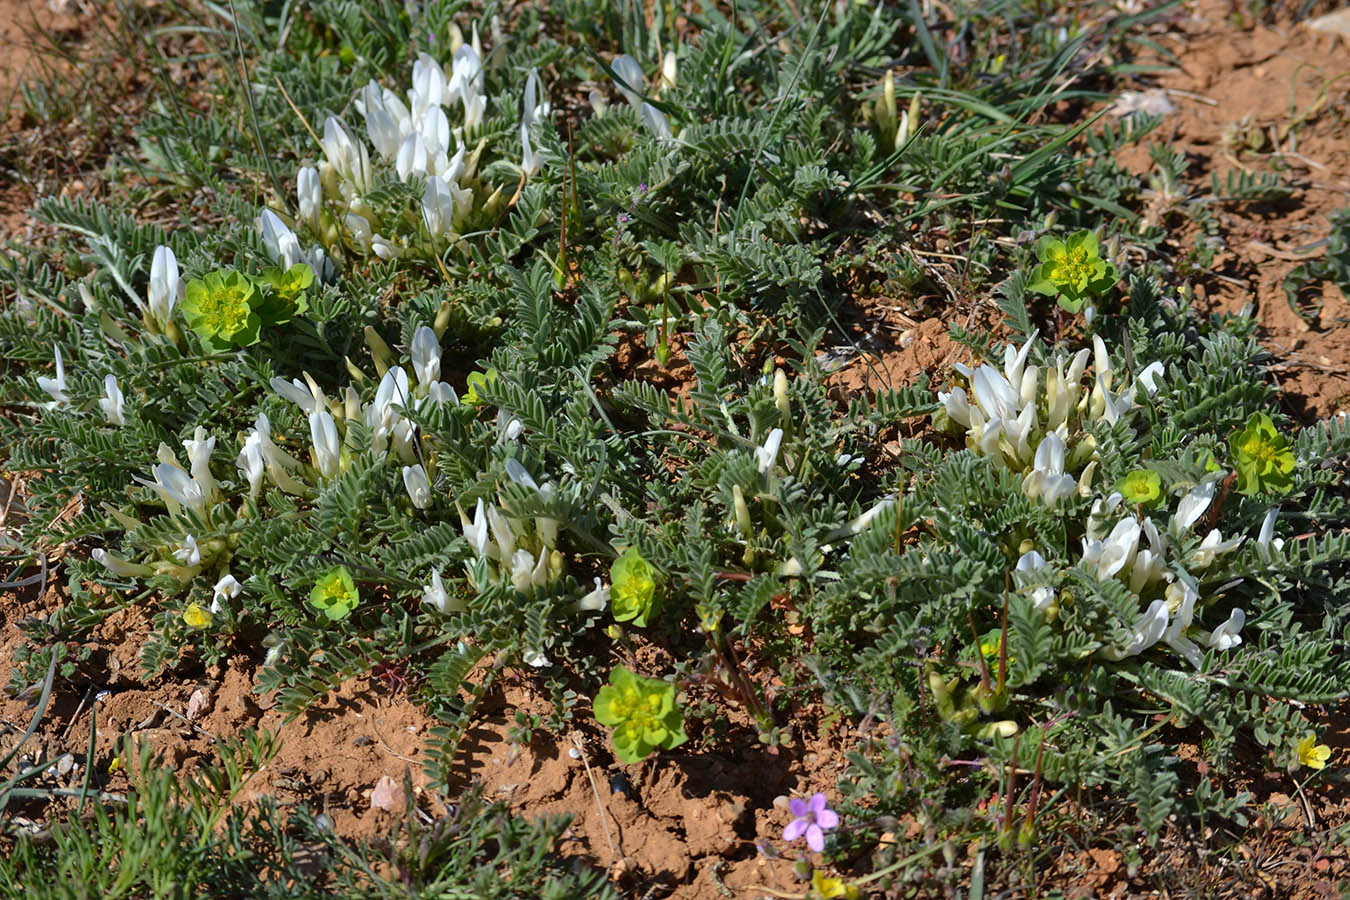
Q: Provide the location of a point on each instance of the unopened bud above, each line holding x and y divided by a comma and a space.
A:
379, 351
742, 511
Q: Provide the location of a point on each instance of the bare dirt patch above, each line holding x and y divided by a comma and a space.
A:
1260, 99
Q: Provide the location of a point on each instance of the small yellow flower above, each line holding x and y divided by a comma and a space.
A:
830, 888
196, 617
1312, 754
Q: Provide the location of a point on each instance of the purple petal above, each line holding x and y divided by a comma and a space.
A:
798, 807
794, 830
815, 838
827, 818
817, 802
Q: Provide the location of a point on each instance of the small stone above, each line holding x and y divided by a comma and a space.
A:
387, 795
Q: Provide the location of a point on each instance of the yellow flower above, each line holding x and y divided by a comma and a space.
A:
832, 887
1312, 754
196, 617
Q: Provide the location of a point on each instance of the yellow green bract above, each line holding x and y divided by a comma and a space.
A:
1141, 487
222, 308
1072, 270
642, 712
284, 293
633, 589
1262, 456
335, 594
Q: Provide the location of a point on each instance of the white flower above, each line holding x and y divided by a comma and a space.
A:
278, 462
438, 206
518, 473
669, 68
957, 405
382, 120
767, 455
477, 533
426, 356
531, 162
304, 394
309, 193
166, 288
176, 488
429, 85
629, 81
441, 393
502, 533
439, 599
199, 451
1148, 379
417, 485
55, 387
527, 573
1147, 631
189, 554
250, 462
596, 600
111, 401
535, 659
348, 156
1029, 568
1192, 507
1181, 600
466, 84
1212, 546
1226, 636
120, 567
412, 157
656, 121
326, 446
1048, 479
282, 244
382, 415
226, 589
1265, 539
1110, 556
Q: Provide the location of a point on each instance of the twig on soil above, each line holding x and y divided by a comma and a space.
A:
376, 728
614, 855
176, 714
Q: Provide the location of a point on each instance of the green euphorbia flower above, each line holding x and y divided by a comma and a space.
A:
1262, 456
285, 298
632, 593
1142, 487
1072, 270
335, 593
474, 382
222, 307
642, 712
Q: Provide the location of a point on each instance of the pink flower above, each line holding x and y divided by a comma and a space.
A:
811, 818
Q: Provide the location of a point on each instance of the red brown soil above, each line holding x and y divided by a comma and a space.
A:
1263, 99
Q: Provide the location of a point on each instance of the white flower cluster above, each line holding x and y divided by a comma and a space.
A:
1031, 418
384, 416
414, 140
525, 553
1151, 562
